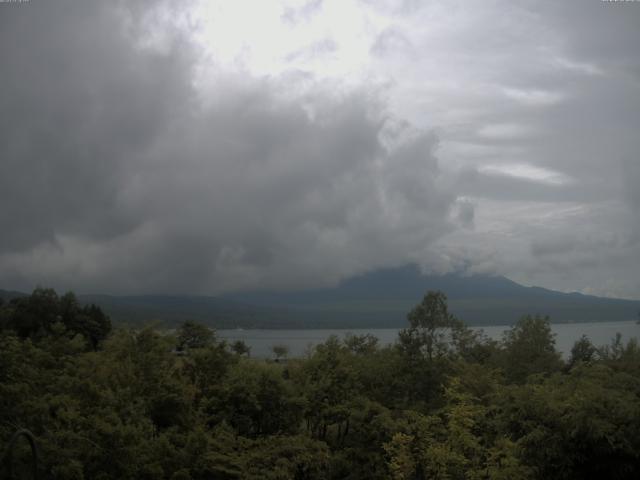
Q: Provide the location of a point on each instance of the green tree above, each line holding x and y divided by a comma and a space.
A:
432, 331
582, 351
93, 324
361, 344
256, 400
329, 384
206, 369
193, 335
434, 340
280, 351
33, 316
580, 425
239, 347
529, 348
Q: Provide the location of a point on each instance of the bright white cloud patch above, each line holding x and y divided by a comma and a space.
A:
527, 172
328, 39
534, 97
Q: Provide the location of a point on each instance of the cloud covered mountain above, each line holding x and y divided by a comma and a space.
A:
381, 298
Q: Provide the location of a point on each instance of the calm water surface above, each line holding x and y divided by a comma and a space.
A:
300, 342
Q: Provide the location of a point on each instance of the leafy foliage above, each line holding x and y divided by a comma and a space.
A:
193, 335
442, 403
529, 348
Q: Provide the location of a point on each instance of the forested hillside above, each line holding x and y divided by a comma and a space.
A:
377, 299
443, 402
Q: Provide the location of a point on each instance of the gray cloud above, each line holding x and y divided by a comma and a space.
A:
133, 162
466, 213
319, 48
557, 246
302, 13
120, 180
391, 41
537, 126
78, 102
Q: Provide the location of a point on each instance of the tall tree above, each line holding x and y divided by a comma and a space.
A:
194, 335
432, 331
529, 347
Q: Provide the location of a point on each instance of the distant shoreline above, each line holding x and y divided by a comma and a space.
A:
299, 340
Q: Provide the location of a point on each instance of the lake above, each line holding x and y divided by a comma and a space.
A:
301, 341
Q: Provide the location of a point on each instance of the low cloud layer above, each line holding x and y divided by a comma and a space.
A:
139, 155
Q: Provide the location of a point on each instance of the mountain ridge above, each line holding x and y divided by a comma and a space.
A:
476, 299
381, 298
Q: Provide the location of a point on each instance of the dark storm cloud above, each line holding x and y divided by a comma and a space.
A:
77, 104
119, 176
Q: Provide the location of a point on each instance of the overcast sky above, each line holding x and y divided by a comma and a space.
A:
205, 147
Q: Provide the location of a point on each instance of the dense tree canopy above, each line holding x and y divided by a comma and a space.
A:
192, 335
44, 312
442, 402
